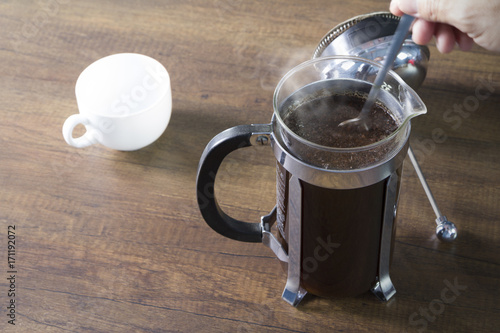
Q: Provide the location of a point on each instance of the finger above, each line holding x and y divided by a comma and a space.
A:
422, 31
463, 40
445, 38
394, 8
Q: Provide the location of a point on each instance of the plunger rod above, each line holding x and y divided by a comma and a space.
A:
424, 183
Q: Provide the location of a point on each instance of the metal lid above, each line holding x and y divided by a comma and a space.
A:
368, 36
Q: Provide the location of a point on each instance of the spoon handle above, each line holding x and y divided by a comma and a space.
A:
398, 39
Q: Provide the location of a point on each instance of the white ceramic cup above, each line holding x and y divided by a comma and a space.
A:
124, 100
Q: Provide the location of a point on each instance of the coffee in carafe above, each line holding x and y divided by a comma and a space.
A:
329, 216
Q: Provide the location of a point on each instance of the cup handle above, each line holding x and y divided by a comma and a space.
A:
217, 149
90, 136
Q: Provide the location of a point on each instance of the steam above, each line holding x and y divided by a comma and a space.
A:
265, 60
270, 66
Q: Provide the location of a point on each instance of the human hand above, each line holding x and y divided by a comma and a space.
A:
453, 22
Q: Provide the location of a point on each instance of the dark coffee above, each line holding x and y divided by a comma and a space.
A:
341, 228
316, 116
340, 235
341, 239
318, 121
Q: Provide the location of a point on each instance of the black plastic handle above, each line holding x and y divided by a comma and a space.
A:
215, 152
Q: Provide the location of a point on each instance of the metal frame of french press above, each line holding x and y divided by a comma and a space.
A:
387, 170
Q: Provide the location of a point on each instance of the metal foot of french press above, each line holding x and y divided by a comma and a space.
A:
384, 289
293, 292
445, 230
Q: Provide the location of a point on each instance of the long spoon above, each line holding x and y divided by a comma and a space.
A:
398, 39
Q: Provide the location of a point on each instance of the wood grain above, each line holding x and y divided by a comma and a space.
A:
113, 241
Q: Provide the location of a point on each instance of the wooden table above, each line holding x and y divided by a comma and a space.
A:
109, 241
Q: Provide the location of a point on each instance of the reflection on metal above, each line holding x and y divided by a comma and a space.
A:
384, 289
293, 293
